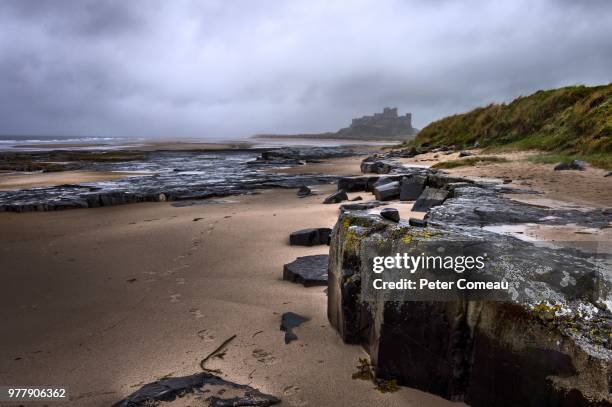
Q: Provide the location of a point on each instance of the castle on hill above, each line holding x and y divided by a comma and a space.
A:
384, 126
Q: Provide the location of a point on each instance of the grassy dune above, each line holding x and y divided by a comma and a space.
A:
571, 122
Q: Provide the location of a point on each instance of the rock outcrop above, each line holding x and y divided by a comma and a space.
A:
544, 342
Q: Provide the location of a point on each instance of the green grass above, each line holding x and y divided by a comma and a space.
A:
470, 161
575, 120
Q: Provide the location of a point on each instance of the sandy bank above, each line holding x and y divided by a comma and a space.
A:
586, 188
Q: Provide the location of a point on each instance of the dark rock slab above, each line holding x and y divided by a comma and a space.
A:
362, 206
197, 388
310, 237
420, 223
304, 191
289, 321
609, 174
355, 184
336, 197
464, 153
307, 270
357, 198
412, 187
429, 198
387, 191
390, 214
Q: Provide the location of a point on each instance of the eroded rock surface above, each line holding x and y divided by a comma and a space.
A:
167, 176
546, 343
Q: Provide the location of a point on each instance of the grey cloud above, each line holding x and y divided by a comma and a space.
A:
230, 69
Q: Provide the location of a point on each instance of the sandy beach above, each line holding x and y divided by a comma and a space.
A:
118, 297
105, 300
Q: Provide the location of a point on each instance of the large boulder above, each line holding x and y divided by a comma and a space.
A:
429, 198
412, 187
387, 191
307, 270
310, 237
544, 342
336, 197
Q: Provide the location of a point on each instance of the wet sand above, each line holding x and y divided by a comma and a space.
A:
105, 300
14, 181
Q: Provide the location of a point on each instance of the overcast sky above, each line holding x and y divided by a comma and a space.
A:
234, 68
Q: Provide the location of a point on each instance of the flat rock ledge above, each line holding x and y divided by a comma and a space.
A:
307, 270
202, 389
548, 344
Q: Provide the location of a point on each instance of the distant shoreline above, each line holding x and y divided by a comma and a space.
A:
330, 136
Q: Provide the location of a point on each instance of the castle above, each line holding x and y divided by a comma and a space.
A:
387, 125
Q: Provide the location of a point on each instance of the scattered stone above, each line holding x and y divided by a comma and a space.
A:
573, 165
307, 270
310, 237
429, 198
464, 153
304, 191
419, 223
336, 197
412, 187
387, 191
357, 198
197, 219
390, 214
198, 389
608, 174
290, 320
